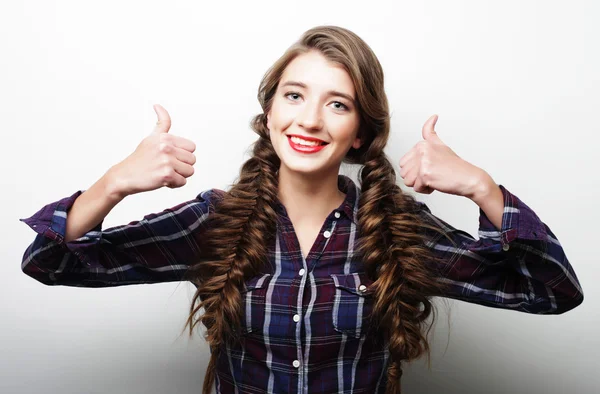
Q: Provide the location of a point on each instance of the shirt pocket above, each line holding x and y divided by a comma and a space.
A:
254, 297
353, 303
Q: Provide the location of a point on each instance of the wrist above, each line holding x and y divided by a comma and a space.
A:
114, 187
483, 187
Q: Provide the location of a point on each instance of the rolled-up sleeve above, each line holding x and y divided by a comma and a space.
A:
522, 266
158, 248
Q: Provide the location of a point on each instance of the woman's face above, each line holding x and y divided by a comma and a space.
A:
313, 120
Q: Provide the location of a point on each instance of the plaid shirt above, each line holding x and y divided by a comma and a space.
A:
305, 320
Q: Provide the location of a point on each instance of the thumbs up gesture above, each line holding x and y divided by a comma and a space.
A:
161, 159
431, 165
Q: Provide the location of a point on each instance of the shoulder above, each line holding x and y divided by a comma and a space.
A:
211, 195
210, 198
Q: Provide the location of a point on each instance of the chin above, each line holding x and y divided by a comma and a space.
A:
305, 168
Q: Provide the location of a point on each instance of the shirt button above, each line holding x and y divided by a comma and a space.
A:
301, 272
327, 234
296, 363
296, 318
362, 288
505, 247
337, 215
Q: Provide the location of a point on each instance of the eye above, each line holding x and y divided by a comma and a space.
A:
294, 96
342, 106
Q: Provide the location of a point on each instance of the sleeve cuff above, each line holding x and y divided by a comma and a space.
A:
51, 223
518, 222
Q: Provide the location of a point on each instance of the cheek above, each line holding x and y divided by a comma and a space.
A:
346, 128
281, 116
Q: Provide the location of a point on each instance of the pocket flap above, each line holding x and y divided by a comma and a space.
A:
256, 282
357, 283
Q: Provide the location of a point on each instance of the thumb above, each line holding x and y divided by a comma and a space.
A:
428, 128
164, 120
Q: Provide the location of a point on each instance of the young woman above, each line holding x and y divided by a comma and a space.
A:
308, 283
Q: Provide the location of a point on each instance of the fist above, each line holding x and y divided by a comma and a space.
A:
431, 165
161, 159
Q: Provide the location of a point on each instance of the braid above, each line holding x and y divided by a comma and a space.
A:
391, 246
237, 236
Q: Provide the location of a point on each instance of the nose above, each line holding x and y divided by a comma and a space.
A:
310, 117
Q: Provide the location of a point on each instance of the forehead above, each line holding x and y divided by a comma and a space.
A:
317, 72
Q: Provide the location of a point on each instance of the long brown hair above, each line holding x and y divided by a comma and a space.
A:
391, 237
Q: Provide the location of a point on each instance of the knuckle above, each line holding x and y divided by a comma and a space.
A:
168, 174
165, 147
165, 161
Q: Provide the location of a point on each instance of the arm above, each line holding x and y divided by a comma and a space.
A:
91, 207
72, 249
517, 262
520, 266
158, 248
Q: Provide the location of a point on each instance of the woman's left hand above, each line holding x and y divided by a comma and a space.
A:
431, 165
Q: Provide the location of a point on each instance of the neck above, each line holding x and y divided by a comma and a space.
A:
309, 198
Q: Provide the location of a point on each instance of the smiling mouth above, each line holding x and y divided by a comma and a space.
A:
304, 146
304, 142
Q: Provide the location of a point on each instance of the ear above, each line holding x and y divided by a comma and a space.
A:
268, 120
358, 142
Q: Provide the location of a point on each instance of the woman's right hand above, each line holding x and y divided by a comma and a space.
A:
161, 159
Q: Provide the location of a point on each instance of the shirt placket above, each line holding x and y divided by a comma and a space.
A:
303, 345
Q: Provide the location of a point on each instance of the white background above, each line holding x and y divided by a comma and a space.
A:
515, 85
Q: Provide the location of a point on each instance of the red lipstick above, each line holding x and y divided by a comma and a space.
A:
305, 148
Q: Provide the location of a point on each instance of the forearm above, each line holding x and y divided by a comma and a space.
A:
91, 207
488, 196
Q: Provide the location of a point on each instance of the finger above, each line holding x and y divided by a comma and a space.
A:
185, 156
428, 131
164, 120
421, 188
411, 176
408, 156
183, 143
183, 169
407, 168
174, 179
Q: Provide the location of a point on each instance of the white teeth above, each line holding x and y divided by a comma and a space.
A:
300, 141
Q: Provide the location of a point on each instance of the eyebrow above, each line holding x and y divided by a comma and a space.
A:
330, 92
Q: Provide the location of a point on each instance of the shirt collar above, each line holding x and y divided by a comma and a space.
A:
350, 204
